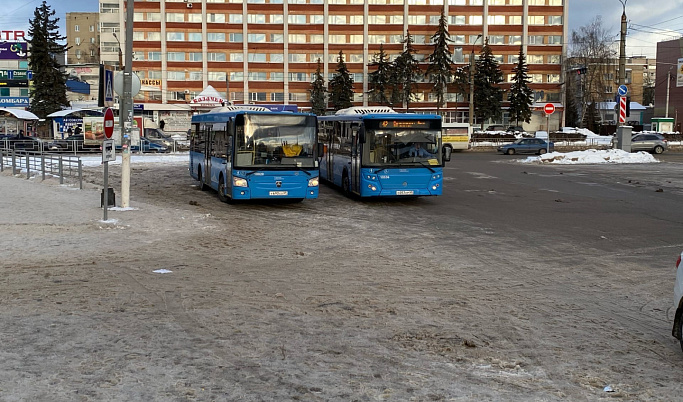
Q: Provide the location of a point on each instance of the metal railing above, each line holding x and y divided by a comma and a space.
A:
33, 164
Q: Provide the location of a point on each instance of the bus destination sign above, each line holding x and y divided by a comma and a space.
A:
404, 124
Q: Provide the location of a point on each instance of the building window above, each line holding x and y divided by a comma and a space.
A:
78, 53
277, 38
534, 59
215, 56
537, 2
553, 59
175, 56
496, 40
396, 19
496, 20
358, 19
277, 77
236, 57
175, 17
337, 39
92, 28
318, 39
194, 18
235, 37
377, 19
296, 19
154, 56
215, 37
277, 97
153, 17
515, 39
220, 18
175, 36
298, 77
555, 20
554, 78
513, 58
535, 39
298, 96
536, 20
195, 76
195, 56
257, 96
536, 78
377, 39
256, 38
137, 35
193, 36
237, 76
257, 76
256, 57
458, 56
357, 77
296, 38
297, 58
256, 18
153, 75
476, 19
554, 39
418, 39
515, 20
77, 28
176, 75
395, 39
277, 58
355, 58
417, 20
317, 19
235, 18
78, 41
336, 19
216, 76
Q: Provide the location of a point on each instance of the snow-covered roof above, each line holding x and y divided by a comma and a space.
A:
612, 105
253, 108
20, 114
365, 110
66, 112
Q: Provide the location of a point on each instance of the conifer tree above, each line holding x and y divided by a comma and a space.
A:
49, 89
318, 103
406, 73
521, 96
488, 95
341, 86
379, 80
440, 68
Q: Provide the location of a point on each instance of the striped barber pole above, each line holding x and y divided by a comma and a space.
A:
622, 109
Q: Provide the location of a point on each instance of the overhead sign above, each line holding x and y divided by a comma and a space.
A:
549, 108
9, 101
108, 123
13, 51
16, 74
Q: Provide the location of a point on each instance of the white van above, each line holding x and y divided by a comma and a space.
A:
456, 136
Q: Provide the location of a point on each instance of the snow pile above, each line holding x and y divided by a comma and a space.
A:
591, 156
175, 159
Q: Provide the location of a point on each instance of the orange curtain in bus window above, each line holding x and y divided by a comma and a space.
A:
291, 150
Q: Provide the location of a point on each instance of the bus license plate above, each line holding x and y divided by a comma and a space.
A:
405, 192
278, 193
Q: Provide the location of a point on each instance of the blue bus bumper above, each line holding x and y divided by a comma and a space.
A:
276, 185
401, 183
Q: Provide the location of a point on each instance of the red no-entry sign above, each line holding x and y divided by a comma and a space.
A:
549, 108
108, 122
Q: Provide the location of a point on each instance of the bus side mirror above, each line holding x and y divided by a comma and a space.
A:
321, 149
361, 135
447, 154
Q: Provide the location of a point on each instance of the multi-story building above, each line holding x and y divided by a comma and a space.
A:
82, 38
265, 51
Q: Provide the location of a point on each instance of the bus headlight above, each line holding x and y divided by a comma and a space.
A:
436, 176
372, 187
239, 182
371, 177
313, 182
434, 187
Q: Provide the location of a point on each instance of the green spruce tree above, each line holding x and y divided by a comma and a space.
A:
318, 103
521, 97
379, 80
406, 73
440, 69
488, 95
49, 90
341, 86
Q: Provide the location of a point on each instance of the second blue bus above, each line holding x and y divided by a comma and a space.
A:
376, 152
248, 152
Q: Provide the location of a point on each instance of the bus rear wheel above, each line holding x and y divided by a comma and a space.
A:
221, 190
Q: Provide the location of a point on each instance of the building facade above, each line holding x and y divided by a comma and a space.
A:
266, 51
669, 82
82, 38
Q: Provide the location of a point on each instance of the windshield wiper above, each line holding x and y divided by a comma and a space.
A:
427, 166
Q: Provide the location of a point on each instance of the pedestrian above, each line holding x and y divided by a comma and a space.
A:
77, 130
162, 124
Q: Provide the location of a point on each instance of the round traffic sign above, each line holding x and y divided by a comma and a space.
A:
622, 90
549, 108
108, 122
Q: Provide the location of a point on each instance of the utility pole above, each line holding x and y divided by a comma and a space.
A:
668, 86
126, 108
622, 51
471, 119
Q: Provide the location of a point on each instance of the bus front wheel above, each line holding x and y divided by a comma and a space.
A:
346, 184
221, 190
202, 186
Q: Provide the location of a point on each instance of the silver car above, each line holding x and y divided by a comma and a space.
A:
654, 143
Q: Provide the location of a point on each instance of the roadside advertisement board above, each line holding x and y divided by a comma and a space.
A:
13, 51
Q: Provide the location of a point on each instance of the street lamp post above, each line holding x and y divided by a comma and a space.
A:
120, 53
471, 117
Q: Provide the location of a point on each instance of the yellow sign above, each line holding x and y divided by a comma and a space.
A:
455, 138
150, 82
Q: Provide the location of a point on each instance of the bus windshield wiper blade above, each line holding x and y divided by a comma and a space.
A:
427, 166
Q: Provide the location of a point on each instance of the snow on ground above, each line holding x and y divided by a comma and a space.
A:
175, 159
591, 156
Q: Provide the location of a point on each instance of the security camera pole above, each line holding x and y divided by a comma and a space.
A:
126, 108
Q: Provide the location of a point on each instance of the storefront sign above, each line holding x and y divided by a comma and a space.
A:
13, 51
13, 83
13, 35
9, 101
16, 74
151, 82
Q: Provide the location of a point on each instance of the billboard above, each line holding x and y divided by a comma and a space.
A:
13, 51
14, 101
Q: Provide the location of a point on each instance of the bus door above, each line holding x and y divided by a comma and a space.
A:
355, 158
206, 174
230, 146
333, 129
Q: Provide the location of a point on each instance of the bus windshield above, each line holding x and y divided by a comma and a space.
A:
263, 140
412, 147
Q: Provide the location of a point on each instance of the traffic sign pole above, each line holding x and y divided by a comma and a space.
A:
549, 109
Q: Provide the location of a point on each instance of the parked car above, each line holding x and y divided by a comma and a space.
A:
24, 143
651, 142
147, 146
495, 127
156, 135
677, 331
515, 129
526, 146
73, 143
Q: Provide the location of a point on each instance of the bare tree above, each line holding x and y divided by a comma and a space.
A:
592, 47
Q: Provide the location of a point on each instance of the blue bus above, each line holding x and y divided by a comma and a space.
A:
376, 152
250, 152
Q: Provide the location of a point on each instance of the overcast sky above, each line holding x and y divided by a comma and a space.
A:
650, 21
